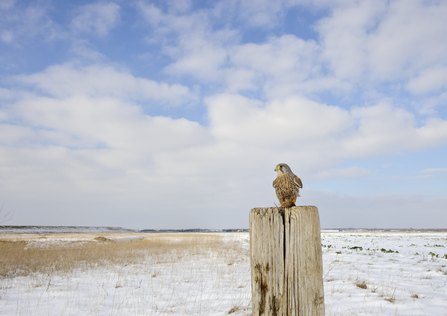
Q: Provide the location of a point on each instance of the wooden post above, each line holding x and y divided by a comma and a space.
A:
286, 261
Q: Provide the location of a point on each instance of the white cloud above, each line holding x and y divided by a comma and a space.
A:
20, 22
293, 122
201, 59
104, 81
73, 145
384, 129
281, 66
410, 37
429, 80
196, 49
6, 36
8, 94
86, 50
12, 134
92, 121
83, 135
344, 37
77, 144
320, 136
179, 6
97, 18
151, 13
256, 13
360, 44
433, 170
384, 41
7, 4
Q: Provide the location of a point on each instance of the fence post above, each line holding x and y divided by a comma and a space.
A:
286, 261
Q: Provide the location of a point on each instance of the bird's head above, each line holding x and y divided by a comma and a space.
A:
283, 168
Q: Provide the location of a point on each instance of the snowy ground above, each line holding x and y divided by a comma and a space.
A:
385, 273
364, 274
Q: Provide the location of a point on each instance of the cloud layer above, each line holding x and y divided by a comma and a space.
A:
88, 141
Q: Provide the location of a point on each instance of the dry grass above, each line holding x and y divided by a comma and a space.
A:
362, 285
24, 257
108, 274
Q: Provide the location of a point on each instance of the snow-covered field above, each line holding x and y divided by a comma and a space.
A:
385, 273
364, 274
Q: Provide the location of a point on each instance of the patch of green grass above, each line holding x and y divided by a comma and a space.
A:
388, 251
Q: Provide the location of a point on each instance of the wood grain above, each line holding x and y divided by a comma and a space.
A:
286, 261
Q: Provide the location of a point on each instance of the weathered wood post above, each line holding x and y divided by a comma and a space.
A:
286, 261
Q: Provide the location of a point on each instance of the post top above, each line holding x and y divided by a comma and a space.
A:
302, 209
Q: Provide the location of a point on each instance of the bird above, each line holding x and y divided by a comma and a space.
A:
287, 185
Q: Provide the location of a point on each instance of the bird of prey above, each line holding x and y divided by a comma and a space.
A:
287, 185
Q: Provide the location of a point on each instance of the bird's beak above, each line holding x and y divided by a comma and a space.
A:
276, 169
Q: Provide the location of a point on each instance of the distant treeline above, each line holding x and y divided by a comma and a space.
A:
194, 230
62, 229
389, 229
232, 230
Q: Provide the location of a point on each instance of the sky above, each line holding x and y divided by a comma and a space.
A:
174, 113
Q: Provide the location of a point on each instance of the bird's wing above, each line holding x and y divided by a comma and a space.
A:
298, 181
274, 183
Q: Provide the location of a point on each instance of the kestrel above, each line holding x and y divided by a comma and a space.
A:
287, 185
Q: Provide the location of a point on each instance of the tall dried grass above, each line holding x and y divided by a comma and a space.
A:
21, 258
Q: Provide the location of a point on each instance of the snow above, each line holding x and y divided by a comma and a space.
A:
404, 274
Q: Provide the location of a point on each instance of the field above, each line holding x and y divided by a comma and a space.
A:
209, 274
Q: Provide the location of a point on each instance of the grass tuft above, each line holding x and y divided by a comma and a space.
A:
362, 285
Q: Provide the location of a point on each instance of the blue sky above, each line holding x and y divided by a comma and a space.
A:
173, 114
